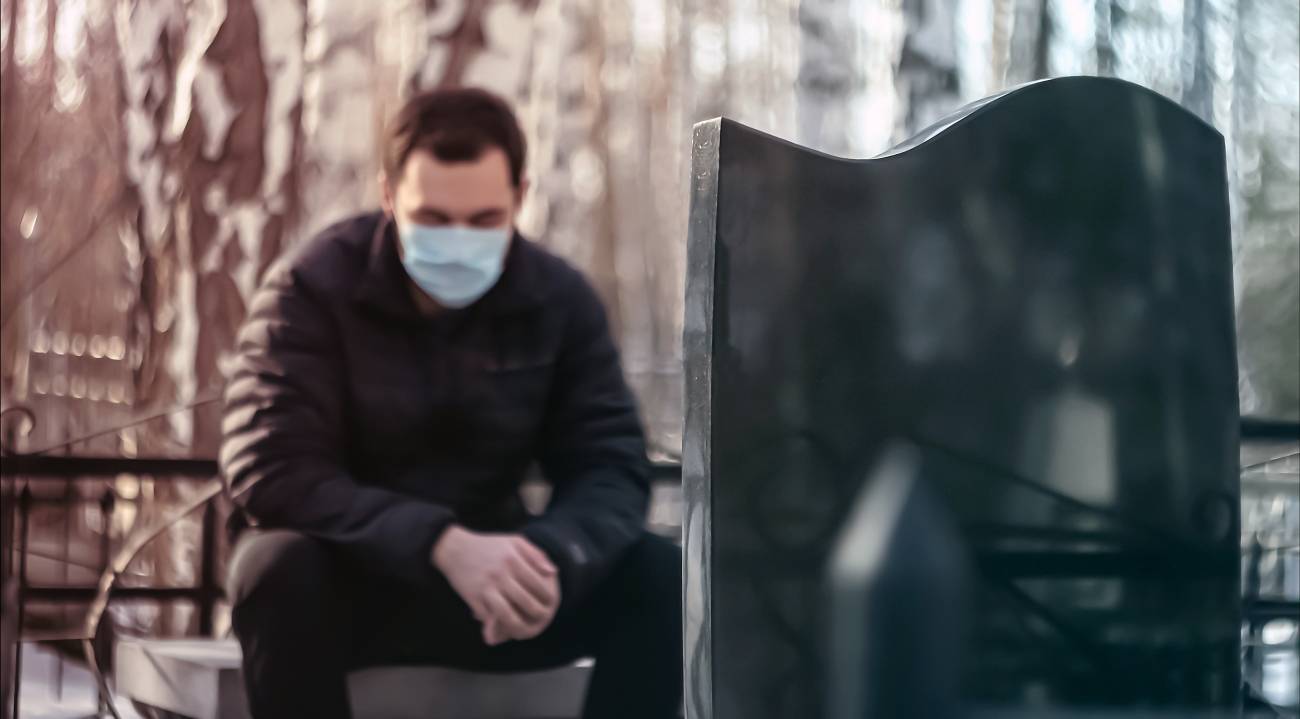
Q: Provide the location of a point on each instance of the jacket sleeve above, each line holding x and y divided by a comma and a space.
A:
592, 452
283, 440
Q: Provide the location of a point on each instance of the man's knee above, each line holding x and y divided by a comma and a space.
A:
659, 559
652, 572
278, 566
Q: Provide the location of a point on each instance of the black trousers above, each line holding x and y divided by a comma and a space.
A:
305, 617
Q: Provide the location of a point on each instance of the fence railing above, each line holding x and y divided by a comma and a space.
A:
21, 472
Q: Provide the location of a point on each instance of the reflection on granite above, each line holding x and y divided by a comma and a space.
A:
1037, 296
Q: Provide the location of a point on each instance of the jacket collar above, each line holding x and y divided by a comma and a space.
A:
383, 284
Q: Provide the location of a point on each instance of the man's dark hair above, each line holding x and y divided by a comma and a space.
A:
455, 124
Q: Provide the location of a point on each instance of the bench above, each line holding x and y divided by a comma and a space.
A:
200, 679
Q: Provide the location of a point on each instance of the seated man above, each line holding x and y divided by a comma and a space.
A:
397, 376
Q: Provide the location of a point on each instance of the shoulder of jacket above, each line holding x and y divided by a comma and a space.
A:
333, 259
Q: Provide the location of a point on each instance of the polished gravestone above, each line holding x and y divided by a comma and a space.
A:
1017, 328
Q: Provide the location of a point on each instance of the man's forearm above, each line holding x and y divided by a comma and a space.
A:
590, 525
387, 531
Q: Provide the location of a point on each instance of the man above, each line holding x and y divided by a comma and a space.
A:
396, 377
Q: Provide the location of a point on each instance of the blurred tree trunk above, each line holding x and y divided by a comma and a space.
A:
1265, 144
212, 100
847, 99
928, 79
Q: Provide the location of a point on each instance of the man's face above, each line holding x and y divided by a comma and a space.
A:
477, 193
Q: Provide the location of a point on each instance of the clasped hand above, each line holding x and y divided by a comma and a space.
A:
511, 586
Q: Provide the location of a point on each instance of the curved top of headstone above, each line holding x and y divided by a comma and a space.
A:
1043, 92
1049, 97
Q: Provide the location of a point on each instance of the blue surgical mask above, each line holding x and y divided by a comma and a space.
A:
455, 265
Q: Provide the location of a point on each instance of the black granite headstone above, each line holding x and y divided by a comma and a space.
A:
1035, 295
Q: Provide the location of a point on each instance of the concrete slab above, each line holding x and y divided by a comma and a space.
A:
201, 679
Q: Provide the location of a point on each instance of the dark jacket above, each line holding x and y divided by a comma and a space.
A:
353, 418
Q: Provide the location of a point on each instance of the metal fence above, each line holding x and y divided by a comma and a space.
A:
1270, 548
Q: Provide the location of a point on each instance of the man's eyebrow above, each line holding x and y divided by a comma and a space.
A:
427, 210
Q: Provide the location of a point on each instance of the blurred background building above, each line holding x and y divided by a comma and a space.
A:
159, 154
